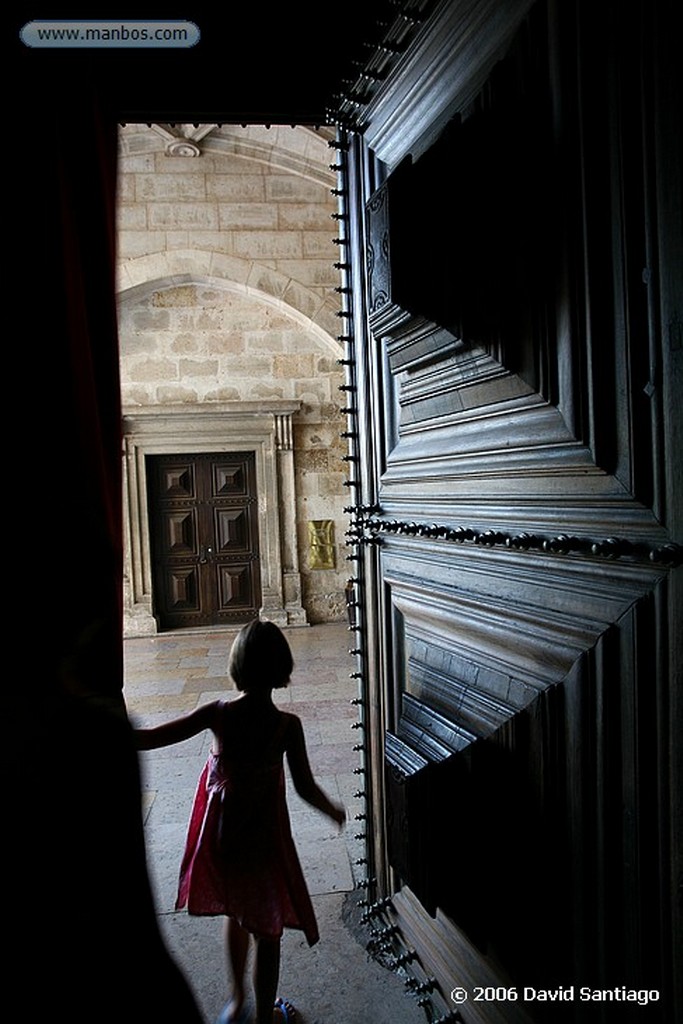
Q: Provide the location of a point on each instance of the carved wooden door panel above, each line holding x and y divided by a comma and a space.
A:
518, 512
204, 538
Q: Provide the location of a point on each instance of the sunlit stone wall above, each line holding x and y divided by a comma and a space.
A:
226, 293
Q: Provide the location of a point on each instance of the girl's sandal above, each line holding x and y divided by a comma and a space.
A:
286, 1009
225, 1018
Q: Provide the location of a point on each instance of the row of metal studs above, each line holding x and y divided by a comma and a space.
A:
610, 548
387, 938
348, 388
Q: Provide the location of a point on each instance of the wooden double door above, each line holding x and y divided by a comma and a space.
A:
204, 538
516, 428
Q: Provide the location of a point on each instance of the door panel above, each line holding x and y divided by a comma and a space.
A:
204, 535
182, 589
180, 531
231, 529
235, 583
517, 560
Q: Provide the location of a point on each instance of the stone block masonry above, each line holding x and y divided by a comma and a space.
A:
226, 288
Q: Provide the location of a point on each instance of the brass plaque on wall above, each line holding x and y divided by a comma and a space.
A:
321, 544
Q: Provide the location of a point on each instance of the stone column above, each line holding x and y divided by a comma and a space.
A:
291, 577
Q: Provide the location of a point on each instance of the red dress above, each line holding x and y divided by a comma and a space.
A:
240, 859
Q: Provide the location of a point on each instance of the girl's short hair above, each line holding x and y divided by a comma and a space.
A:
260, 657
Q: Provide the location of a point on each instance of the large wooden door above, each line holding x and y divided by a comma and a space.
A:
204, 538
515, 372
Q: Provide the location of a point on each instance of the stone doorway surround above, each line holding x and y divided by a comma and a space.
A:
264, 427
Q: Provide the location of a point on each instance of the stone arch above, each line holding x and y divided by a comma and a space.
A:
156, 271
169, 404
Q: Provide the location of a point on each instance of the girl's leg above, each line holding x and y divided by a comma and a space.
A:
237, 949
267, 972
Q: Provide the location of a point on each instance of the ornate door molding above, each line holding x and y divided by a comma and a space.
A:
261, 427
514, 383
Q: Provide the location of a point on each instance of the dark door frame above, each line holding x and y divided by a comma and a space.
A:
204, 535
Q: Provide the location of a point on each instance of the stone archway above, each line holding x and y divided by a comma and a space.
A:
234, 274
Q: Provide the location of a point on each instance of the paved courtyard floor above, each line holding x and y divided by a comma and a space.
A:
336, 980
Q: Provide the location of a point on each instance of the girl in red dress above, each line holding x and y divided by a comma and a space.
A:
240, 859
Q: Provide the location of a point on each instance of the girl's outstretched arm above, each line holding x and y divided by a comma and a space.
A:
302, 776
178, 729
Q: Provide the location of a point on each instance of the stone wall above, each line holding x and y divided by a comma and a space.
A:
226, 288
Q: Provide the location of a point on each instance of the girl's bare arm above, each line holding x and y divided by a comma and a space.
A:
178, 729
302, 776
